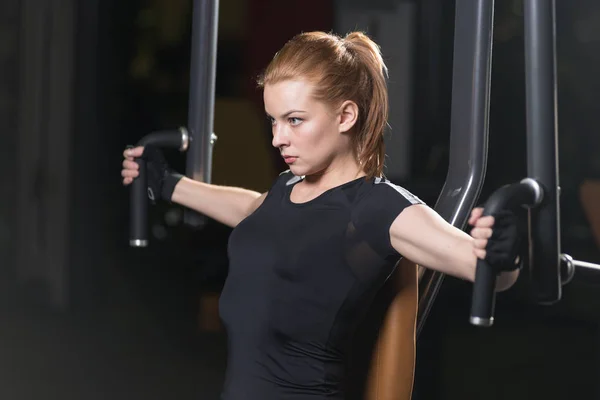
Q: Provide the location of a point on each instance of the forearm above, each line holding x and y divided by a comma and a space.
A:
421, 235
465, 264
228, 205
445, 249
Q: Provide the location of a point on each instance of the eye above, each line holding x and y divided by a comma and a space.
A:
271, 120
294, 121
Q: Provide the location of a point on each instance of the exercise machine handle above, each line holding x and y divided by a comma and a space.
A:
527, 193
138, 215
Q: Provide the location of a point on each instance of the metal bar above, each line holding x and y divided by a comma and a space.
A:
471, 81
586, 264
542, 148
568, 266
202, 96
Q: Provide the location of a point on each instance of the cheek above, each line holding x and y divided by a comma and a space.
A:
316, 137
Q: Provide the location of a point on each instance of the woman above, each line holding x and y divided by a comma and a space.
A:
307, 257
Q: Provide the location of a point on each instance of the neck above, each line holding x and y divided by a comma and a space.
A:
337, 173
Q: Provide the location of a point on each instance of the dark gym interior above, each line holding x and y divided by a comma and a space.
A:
85, 316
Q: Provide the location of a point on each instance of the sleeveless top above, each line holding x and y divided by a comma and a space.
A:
300, 278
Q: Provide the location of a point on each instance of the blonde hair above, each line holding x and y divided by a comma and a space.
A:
348, 68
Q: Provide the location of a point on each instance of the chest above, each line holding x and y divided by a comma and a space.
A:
296, 268
293, 244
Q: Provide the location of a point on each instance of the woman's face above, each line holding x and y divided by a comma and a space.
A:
310, 135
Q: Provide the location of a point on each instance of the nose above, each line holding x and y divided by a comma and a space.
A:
280, 136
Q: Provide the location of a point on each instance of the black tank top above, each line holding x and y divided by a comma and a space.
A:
300, 278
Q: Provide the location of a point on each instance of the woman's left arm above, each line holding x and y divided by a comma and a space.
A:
424, 237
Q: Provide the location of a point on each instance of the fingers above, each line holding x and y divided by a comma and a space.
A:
479, 253
133, 152
480, 244
481, 233
476, 219
484, 227
480, 236
128, 164
476, 213
130, 167
484, 222
129, 173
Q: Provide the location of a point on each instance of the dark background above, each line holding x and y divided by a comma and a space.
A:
84, 316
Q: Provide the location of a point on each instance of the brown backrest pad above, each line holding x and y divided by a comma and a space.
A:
382, 363
590, 200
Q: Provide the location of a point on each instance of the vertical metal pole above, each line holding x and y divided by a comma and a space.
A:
471, 81
542, 147
202, 96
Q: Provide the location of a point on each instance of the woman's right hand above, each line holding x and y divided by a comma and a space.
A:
130, 167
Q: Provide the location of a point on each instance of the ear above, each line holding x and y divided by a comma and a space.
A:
348, 116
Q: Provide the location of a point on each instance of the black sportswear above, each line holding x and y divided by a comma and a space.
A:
301, 277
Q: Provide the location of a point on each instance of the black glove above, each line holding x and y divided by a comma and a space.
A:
503, 248
161, 177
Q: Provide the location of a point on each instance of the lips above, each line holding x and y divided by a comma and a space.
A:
289, 159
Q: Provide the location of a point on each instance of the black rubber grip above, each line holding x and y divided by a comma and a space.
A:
484, 298
526, 193
484, 287
138, 213
167, 139
138, 221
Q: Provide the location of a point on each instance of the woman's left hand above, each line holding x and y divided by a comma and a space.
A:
481, 232
497, 241
497, 238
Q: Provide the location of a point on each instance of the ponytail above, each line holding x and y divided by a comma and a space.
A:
370, 143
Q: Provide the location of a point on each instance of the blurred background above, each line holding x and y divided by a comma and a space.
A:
84, 316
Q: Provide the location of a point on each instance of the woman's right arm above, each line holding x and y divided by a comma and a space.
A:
228, 205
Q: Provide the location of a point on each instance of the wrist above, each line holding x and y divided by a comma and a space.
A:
171, 180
